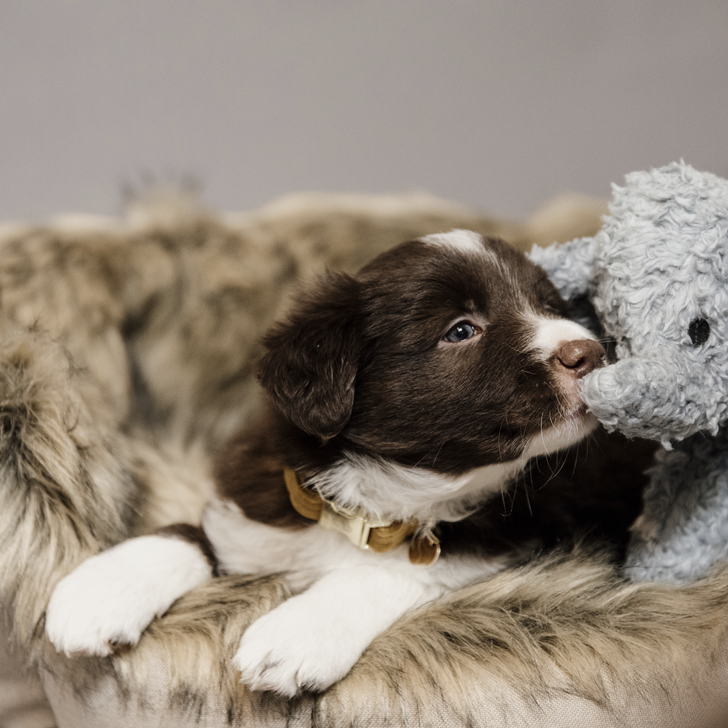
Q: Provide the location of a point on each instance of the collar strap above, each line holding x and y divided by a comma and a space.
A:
363, 531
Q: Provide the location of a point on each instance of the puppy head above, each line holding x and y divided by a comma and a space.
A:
450, 353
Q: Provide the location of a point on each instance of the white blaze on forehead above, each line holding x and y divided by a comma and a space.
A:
549, 333
466, 241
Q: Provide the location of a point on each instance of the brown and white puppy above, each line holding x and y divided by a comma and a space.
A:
401, 398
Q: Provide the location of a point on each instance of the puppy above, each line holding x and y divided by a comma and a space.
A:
401, 398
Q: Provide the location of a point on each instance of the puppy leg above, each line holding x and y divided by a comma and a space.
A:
111, 598
313, 639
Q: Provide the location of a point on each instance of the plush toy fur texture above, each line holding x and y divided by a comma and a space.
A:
126, 360
657, 276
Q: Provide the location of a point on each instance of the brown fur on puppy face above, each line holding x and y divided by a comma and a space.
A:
426, 358
452, 406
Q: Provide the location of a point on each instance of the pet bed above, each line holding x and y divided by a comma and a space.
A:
125, 361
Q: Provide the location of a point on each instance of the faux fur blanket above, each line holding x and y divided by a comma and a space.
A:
125, 361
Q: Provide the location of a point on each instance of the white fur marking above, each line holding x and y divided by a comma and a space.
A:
549, 333
113, 596
566, 433
244, 546
313, 639
395, 492
465, 241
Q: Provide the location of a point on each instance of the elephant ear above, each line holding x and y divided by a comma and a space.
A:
312, 358
570, 266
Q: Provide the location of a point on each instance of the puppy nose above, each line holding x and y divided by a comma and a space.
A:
581, 357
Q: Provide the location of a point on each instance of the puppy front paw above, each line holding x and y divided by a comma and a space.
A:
286, 651
96, 607
111, 598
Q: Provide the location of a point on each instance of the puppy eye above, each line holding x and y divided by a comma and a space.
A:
461, 331
699, 331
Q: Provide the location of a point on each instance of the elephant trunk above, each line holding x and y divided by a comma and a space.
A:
656, 399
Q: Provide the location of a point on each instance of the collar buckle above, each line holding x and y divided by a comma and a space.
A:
353, 525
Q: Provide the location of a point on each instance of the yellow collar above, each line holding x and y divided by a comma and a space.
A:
363, 531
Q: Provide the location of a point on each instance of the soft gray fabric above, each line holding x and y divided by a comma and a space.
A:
569, 265
685, 527
655, 274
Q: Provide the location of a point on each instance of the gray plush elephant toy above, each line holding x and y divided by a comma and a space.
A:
657, 278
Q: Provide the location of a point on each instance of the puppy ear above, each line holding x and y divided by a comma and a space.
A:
312, 357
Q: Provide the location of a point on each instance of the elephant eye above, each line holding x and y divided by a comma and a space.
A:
699, 331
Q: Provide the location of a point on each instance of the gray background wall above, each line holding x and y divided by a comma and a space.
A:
498, 103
